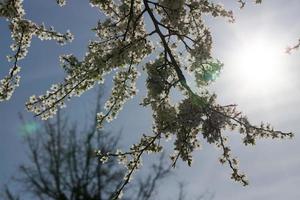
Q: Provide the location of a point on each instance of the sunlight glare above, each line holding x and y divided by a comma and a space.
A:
259, 64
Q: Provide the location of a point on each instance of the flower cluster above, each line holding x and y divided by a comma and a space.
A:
81, 77
124, 89
132, 159
296, 46
61, 2
118, 47
22, 31
233, 162
9, 83
243, 3
12, 9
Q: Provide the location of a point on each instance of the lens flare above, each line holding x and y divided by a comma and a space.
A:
29, 128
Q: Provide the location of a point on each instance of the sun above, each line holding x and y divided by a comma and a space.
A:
258, 64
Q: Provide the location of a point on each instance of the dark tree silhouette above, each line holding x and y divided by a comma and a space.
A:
64, 165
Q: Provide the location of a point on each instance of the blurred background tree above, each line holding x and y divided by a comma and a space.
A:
64, 165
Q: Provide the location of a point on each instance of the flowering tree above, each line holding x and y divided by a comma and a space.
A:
167, 40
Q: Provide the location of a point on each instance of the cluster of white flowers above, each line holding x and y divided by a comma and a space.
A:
112, 51
81, 77
61, 2
12, 9
132, 159
124, 89
233, 162
22, 31
243, 2
122, 158
8, 83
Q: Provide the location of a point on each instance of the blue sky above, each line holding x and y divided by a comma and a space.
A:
272, 165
